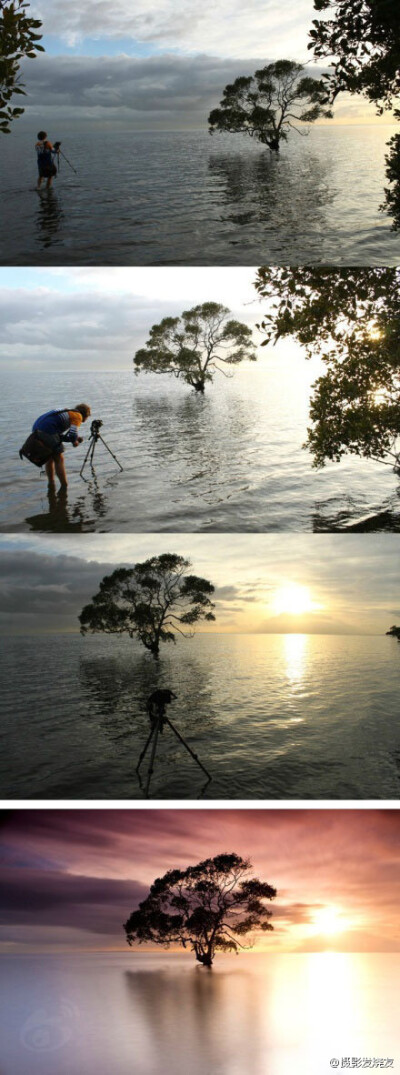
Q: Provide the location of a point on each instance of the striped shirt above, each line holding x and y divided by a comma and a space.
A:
65, 423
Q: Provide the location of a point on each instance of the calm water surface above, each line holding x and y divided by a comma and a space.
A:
271, 717
230, 461
142, 1014
186, 199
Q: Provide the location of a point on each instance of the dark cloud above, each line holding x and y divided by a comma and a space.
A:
39, 591
55, 898
161, 92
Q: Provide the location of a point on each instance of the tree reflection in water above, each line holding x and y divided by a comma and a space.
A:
268, 189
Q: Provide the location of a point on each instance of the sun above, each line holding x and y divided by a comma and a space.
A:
328, 921
295, 599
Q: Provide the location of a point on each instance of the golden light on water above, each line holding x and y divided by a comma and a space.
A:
294, 599
295, 651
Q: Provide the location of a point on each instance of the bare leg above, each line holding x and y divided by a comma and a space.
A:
59, 463
49, 182
39, 182
50, 470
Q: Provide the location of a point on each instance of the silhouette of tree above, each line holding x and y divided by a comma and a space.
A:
193, 346
271, 102
363, 38
391, 203
351, 319
206, 908
18, 39
150, 601
395, 632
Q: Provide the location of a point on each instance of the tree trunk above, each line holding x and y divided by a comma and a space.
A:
199, 386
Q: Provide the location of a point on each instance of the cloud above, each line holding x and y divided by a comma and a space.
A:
99, 864
102, 328
229, 29
44, 581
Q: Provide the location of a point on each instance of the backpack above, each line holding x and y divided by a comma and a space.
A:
36, 450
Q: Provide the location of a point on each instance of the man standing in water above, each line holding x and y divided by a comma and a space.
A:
55, 428
45, 158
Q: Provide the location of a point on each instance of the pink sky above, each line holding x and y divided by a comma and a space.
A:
71, 877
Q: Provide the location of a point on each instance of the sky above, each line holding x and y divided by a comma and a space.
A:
96, 318
272, 583
336, 872
158, 65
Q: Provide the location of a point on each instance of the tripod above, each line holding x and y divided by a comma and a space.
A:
157, 724
95, 435
60, 153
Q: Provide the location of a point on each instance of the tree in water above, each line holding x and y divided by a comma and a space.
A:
18, 39
270, 103
350, 318
151, 601
206, 908
194, 346
363, 38
394, 632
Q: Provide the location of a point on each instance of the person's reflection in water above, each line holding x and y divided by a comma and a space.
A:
58, 518
49, 218
196, 1019
62, 517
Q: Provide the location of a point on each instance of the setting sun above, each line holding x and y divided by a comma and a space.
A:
328, 921
294, 599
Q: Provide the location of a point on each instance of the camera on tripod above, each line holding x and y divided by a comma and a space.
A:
94, 438
95, 427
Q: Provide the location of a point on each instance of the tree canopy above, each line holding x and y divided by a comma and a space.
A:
363, 38
193, 346
270, 103
19, 38
351, 319
206, 908
395, 632
150, 601
392, 193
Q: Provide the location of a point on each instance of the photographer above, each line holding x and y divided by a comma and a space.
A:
56, 428
46, 152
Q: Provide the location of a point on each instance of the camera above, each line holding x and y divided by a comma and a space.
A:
95, 426
57, 145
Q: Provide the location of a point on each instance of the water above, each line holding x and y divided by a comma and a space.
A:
141, 1014
271, 717
229, 461
182, 198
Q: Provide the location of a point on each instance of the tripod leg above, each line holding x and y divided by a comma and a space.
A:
153, 753
144, 750
187, 747
109, 450
85, 460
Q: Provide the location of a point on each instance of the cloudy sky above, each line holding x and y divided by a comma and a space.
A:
158, 65
85, 870
95, 318
347, 584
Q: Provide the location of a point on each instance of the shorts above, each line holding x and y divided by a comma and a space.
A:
47, 171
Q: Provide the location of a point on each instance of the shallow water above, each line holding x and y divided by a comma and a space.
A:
141, 1014
182, 198
270, 717
230, 461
